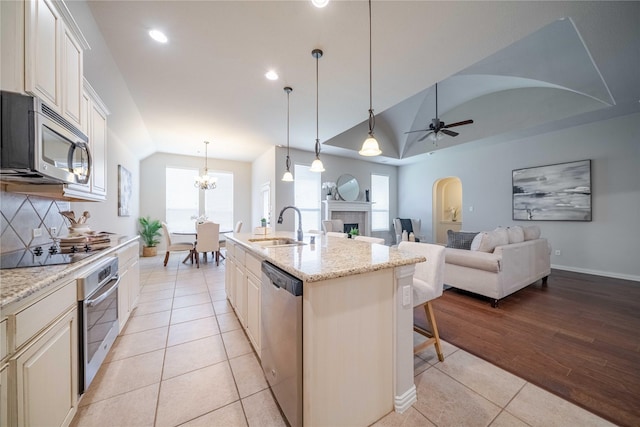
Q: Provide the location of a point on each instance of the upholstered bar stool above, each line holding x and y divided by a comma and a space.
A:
428, 281
377, 240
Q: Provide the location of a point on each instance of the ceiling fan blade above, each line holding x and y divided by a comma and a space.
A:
419, 130
425, 136
464, 122
449, 132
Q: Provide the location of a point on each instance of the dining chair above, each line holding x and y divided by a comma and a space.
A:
208, 240
238, 227
377, 240
335, 234
175, 246
428, 282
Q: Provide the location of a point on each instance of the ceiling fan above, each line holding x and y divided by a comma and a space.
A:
437, 127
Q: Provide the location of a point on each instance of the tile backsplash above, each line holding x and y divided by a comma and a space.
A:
21, 214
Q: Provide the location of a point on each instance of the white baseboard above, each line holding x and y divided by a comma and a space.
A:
597, 272
408, 398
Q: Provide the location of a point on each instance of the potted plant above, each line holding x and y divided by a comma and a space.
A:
263, 222
150, 233
353, 232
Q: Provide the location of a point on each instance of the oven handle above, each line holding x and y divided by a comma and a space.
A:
105, 295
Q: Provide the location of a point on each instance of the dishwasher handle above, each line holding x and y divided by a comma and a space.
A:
282, 279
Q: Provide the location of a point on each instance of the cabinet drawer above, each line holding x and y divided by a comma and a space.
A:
253, 265
239, 255
3, 339
231, 248
36, 317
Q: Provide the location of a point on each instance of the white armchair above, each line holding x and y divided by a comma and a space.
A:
335, 225
411, 225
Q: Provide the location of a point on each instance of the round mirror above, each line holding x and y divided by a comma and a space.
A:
348, 187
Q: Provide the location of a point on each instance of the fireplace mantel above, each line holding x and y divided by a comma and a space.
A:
347, 211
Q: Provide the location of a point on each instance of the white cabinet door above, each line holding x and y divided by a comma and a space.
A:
71, 76
134, 284
241, 294
4, 406
43, 30
46, 373
98, 140
230, 280
253, 311
123, 299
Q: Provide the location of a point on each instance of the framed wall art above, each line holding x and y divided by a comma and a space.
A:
124, 191
559, 192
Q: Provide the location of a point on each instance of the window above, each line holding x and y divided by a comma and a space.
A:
380, 199
218, 203
184, 202
307, 197
181, 198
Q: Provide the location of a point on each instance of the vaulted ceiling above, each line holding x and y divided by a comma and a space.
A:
515, 68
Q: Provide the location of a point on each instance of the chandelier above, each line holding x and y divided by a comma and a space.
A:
204, 181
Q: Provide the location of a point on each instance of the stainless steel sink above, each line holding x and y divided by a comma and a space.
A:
276, 242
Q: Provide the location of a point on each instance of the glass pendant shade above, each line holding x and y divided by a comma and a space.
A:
288, 176
317, 166
370, 147
436, 136
204, 181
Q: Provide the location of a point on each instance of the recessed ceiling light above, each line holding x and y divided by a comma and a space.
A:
158, 36
271, 75
320, 3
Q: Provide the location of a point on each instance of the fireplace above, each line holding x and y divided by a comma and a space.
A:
349, 227
358, 213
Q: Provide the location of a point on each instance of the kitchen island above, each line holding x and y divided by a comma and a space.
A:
357, 329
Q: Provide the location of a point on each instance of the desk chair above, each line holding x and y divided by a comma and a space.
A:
208, 241
175, 246
378, 240
428, 281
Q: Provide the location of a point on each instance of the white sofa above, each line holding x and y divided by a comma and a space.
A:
505, 270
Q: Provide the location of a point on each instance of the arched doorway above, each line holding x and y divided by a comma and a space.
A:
447, 207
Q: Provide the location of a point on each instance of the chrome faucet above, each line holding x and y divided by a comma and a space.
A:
299, 220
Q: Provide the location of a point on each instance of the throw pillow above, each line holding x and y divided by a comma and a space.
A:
531, 232
501, 236
516, 234
460, 239
484, 242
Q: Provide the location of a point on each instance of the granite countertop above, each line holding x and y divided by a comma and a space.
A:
18, 283
328, 258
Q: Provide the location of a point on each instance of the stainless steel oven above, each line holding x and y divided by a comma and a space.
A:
98, 317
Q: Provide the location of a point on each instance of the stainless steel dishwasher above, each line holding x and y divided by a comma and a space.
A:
281, 345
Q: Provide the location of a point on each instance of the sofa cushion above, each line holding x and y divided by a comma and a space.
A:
473, 259
531, 232
484, 242
516, 234
501, 236
460, 239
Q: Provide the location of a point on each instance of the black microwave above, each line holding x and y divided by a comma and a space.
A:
39, 146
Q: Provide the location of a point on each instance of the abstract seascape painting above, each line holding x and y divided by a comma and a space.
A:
560, 192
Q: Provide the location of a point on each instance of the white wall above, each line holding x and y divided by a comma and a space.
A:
104, 215
263, 173
608, 245
153, 179
334, 167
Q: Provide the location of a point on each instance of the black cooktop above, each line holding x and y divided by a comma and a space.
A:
44, 255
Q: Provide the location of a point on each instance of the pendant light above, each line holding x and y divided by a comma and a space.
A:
370, 146
317, 165
288, 177
204, 181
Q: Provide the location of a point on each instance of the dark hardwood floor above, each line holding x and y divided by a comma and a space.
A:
578, 338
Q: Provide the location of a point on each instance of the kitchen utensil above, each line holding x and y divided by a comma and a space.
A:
70, 215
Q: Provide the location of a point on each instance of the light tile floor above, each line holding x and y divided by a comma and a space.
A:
183, 359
